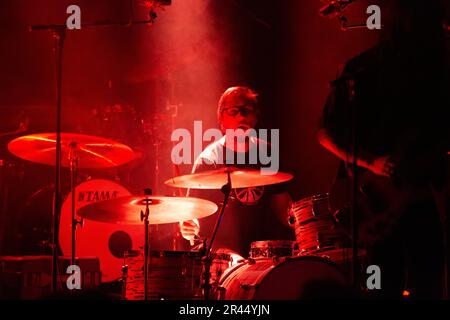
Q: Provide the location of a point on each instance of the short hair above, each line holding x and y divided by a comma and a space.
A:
246, 92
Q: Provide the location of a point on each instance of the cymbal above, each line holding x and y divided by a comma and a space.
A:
92, 151
240, 178
126, 210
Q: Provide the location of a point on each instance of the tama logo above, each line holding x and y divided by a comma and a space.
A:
91, 196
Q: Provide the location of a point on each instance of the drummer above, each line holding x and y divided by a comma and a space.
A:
252, 214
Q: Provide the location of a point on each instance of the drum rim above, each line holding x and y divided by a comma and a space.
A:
234, 271
167, 253
272, 244
311, 199
277, 263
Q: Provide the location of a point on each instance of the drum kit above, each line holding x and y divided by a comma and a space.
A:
275, 269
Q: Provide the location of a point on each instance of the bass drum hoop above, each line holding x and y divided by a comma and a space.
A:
260, 279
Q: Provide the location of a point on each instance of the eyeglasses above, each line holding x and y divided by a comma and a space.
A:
244, 110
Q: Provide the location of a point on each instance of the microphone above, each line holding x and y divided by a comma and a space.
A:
334, 8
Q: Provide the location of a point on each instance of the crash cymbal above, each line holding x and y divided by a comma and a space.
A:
91, 151
240, 178
126, 210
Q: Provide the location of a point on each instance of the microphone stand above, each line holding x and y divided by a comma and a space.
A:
58, 32
207, 259
352, 140
354, 214
59, 35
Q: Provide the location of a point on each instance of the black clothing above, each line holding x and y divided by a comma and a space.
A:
399, 106
248, 216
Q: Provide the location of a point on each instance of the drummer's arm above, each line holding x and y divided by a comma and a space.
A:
190, 229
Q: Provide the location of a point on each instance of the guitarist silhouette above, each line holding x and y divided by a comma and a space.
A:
394, 98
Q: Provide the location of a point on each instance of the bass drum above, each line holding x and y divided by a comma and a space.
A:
108, 242
293, 278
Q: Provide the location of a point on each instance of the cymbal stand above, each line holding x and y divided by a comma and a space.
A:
73, 160
207, 258
144, 218
59, 34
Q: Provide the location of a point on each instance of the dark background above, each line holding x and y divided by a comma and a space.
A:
173, 70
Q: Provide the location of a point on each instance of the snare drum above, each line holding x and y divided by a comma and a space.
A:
287, 279
271, 249
315, 228
172, 275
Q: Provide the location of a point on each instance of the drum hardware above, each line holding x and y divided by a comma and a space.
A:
125, 269
73, 161
247, 286
3, 199
271, 249
219, 179
74, 151
207, 259
59, 33
111, 240
77, 151
265, 279
29, 277
224, 179
173, 275
124, 210
216, 179
315, 227
145, 219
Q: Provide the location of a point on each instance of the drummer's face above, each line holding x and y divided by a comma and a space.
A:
238, 113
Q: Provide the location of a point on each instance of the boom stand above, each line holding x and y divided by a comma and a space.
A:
207, 259
59, 34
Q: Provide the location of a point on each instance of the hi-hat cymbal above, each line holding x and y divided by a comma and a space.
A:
126, 210
91, 151
240, 178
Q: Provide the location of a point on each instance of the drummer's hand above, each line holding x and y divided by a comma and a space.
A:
189, 229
